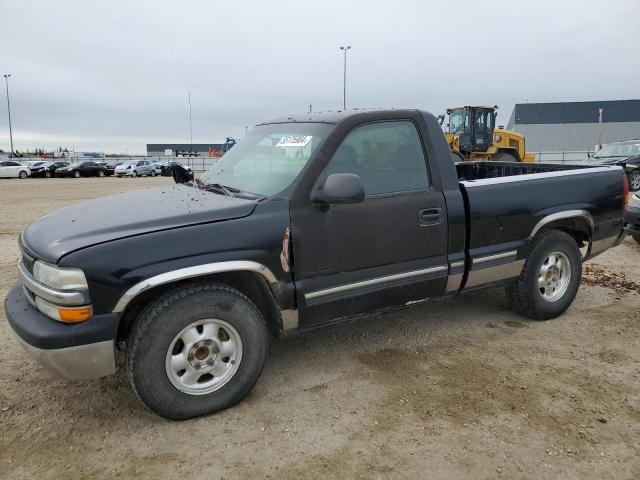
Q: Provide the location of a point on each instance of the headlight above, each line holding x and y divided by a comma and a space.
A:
60, 278
634, 201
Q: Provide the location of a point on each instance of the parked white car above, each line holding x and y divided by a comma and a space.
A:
135, 169
11, 169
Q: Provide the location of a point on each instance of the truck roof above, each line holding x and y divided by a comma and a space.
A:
456, 107
330, 116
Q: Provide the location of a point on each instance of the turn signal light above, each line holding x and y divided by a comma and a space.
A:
75, 315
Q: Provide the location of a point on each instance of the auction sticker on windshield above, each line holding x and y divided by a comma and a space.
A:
294, 141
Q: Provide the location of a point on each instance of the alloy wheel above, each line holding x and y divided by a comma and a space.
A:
204, 356
554, 276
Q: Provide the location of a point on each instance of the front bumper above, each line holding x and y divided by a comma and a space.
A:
79, 351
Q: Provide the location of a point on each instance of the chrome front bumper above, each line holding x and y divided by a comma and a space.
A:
74, 351
82, 362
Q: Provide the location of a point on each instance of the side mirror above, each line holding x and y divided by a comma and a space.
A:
181, 174
340, 188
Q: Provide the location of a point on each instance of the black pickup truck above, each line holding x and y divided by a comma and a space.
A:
309, 220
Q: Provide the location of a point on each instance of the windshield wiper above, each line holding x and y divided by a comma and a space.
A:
229, 191
216, 187
226, 190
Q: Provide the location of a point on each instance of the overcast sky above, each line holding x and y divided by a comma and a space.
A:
115, 75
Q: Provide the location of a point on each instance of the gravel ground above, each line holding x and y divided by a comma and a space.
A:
459, 388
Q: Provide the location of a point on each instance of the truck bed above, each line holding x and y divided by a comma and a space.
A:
505, 202
468, 171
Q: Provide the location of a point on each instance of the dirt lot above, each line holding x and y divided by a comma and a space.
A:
460, 388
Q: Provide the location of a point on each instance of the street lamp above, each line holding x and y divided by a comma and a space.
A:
344, 84
190, 125
6, 81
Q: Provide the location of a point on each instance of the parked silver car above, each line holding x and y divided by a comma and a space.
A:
135, 169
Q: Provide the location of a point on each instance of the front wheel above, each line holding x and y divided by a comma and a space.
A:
196, 349
153, 173
550, 278
100, 173
134, 174
634, 181
76, 174
504, 157
47, 174
22, 174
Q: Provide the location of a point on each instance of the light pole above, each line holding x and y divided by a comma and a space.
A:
190, 126
6, 81
344, 82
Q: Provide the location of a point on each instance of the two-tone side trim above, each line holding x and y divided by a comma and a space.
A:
493, 268
374, 281
192, 272
456, 274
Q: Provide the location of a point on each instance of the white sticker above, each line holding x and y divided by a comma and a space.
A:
294, 141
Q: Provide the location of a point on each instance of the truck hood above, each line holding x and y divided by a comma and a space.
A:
612, 160
134, 213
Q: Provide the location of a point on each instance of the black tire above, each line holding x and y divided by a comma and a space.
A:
153, 173
636, 237
525, 295
634, 181
76, 174
504, 157
101, 173
134, 174
159, 323
22, 174
47, 174
457, 156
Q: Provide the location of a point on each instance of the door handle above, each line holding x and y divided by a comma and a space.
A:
430, 216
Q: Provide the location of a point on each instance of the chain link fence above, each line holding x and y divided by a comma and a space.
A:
562, 157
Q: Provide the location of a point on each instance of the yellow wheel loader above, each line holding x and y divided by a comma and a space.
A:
472, 135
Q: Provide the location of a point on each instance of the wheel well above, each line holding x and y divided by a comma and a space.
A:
576, 227
250, 284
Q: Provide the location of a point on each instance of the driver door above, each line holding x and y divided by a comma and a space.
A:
383, 252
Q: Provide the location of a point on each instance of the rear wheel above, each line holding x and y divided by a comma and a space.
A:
634, 181
504, 157
196, 349
550, 278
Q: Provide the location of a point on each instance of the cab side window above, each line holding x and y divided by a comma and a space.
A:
387, 156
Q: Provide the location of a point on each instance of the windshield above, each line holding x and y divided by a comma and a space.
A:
458, 121
268, 159
619, 150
